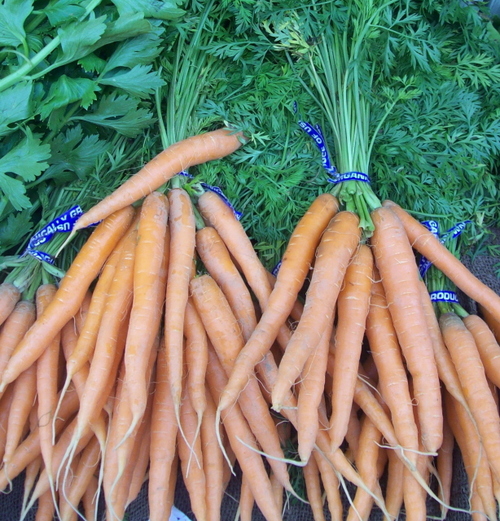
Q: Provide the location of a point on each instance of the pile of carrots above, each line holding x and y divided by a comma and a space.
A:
168, 343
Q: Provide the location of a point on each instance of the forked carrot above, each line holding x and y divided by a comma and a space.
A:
9, 296
276, 306
149, 279
397, 267
182, 246
70, 294
333, 255
428, 245
174, 159
353, 304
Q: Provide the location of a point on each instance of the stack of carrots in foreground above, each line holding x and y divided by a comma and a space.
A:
168, 343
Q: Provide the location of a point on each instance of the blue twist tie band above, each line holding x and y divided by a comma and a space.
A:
444, 296
276, 269
315, 132
349, 176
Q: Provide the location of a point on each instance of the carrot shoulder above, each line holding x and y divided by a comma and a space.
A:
179, 156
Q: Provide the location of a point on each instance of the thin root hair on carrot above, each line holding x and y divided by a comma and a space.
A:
219, 441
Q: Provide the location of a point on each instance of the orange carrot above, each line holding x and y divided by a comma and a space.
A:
237, 431
334, 252
196, 359
149, 279
276, 306
9, 296
81, 315
313, 489
5, 402
352, 309
487, 345
14, 329
444, 465
191, 458
310, 394
245, 501
429, 246
463, 350
393, 381
396, 264
331, 486
69, 296
45, 508
174, 159
182, 246
163, 443
394, 488
219, 264
225, 336
89, 499
493, 323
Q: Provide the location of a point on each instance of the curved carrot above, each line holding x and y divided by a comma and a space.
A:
149, 279
334, 253
174, 159
9, 296
275, 305
352, 309
428, 245
182, 247
72, 290
399, 273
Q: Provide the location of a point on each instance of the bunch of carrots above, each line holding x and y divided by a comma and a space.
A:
168, 343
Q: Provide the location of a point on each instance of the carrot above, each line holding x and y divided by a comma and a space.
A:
487, 345
87, 465
9, 296
213, 461
81, 315
189, 447
366, 463
475, 460
394, 488
393, 381
330, 485
353, 431
444, 465
46, 380
88, 499
463, 350
29, 449
396, 263
23, 400
149, 279
493, 323
174, 159
313, 489
429, 246
163, 442
88, 335
5, 402
219, 264
225, 335
182, 245
30, 476
238, 431
294, 268
334, 252
46, 508
312, 385
14, 329
196, 359
245, 501
352, 309
70, 294
446, 369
